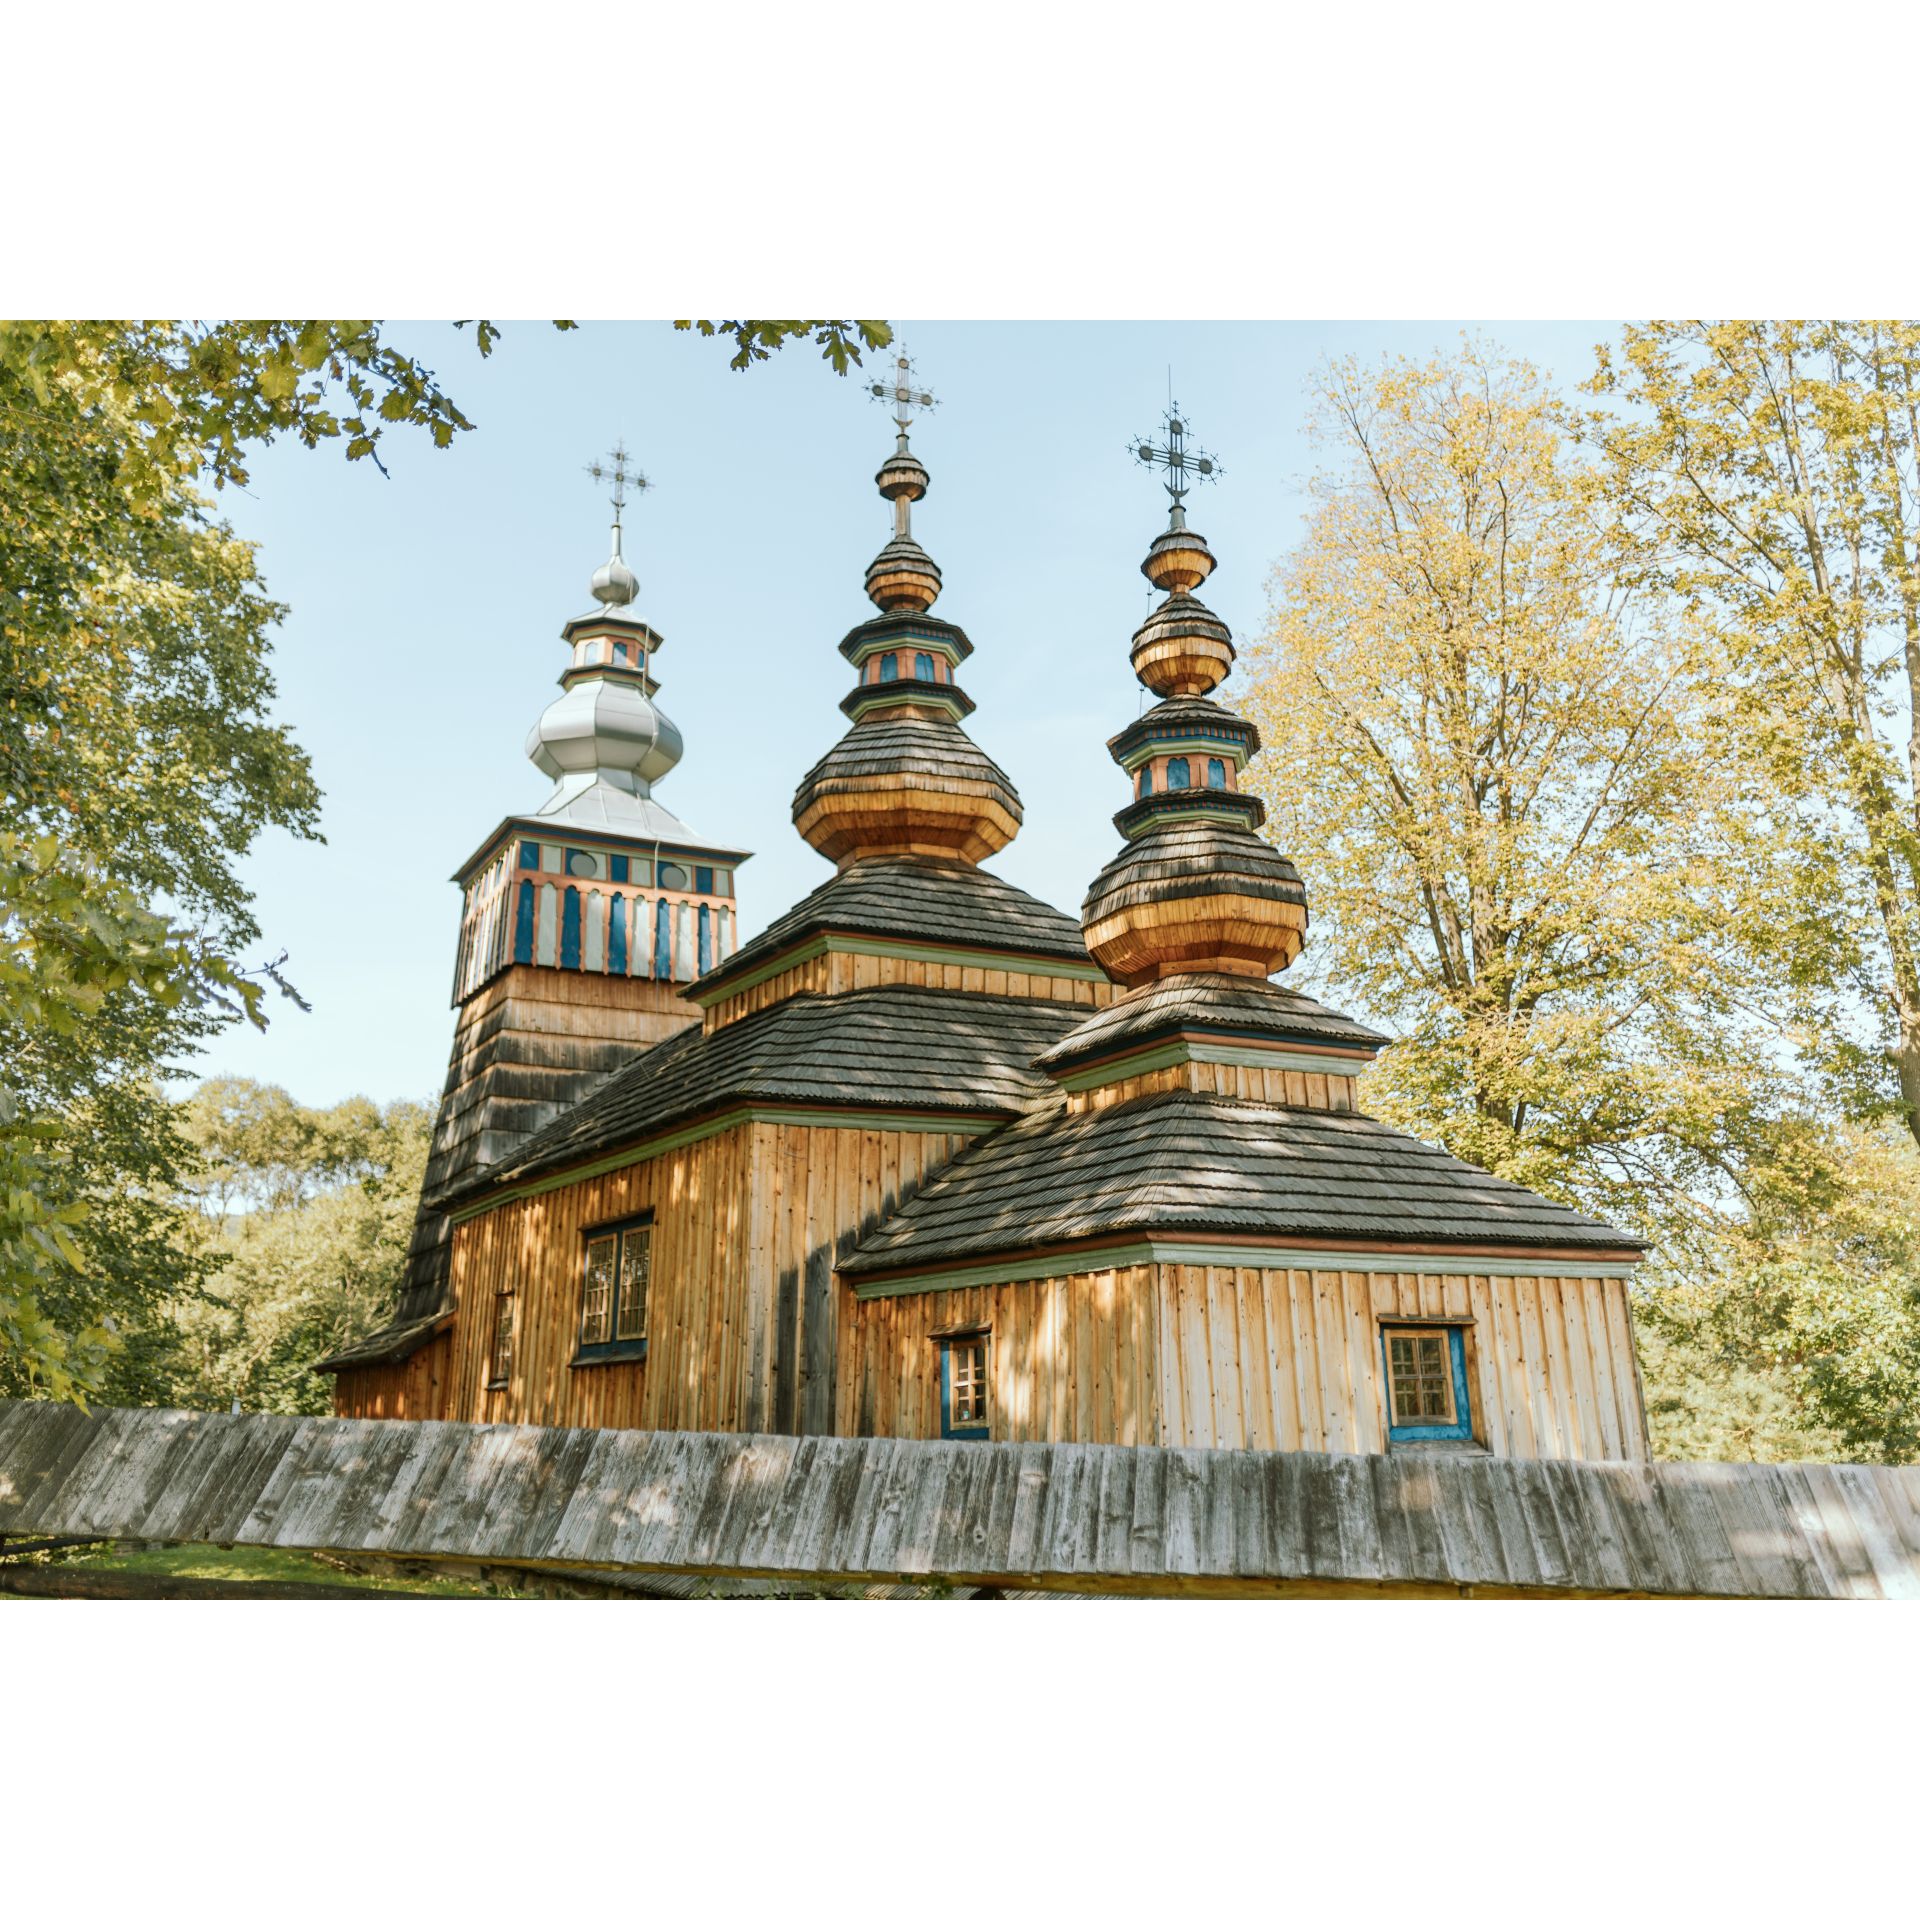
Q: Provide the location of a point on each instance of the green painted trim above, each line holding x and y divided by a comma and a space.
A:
1222, 817
879, 1119
820, 943
1171, 1253
1174, 1053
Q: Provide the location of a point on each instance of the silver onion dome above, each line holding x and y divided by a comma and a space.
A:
605, 729
615, 584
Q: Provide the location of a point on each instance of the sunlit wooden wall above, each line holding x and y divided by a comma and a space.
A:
1250, 1357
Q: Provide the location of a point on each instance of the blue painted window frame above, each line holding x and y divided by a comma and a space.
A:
703, 879
662, 941
530, 855
1146, 781
607, 1350
923, 666
1217, 774
889, 666
619, 864
948, 1431
570, 928
705, 961
1462, 1428
1179, 775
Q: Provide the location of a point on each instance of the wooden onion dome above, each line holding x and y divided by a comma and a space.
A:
1196, 889
905, 778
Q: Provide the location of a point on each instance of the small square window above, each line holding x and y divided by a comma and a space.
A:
1427, 1395
703, 879
964, 1387
530, 854
500, 1361
619, 865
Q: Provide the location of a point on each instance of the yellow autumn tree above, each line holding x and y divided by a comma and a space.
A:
1492, 756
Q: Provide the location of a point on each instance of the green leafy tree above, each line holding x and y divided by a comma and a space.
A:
1771, 473
1484, 743
308, 1213
137, 763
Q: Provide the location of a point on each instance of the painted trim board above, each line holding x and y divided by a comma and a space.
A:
1174, 1253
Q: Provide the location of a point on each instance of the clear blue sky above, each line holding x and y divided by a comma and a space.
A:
423, 637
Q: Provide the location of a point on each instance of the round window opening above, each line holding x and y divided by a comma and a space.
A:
583, 866
674, 877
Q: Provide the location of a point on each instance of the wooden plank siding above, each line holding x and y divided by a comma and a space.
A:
1266, 1086
839, 972
417, 1388
741, 1333
1251, 1358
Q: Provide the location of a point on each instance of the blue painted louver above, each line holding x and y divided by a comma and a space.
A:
663, 943
706, 938
570, 929
523, 923
617, 930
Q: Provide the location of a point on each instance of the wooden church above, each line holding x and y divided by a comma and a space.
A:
925, 1158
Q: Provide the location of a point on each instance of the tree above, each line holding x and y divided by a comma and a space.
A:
137, 764
1484, 746
308, 1213
1772, 472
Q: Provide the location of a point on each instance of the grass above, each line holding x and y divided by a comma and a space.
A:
265, 1563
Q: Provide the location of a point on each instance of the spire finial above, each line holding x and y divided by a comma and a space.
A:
903, 576
1185, 466
615, 584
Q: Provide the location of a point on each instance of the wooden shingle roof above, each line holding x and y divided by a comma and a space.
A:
885, 1047
1187, 1163
891, 747
948, 903
1222, 1005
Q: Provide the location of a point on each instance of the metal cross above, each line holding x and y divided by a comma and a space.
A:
898, 389
623, 475
1186, 466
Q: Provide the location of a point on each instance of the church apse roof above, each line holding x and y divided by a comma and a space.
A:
1194, 1164
900, 1048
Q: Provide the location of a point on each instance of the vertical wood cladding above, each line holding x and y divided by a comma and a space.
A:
741, 1333
1192, 1356
1265, 1086
417, 1388
850, 972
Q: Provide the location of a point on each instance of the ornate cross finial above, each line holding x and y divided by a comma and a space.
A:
898, 389
1185, 466
620, 470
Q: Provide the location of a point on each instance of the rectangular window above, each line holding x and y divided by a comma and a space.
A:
963, 1387
596, 1305
1426, 1383
703, 879
530, 854
620, 868
500, 1363
617, 1269
636, 1260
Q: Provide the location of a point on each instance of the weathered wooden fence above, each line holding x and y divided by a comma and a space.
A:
1139, 1520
